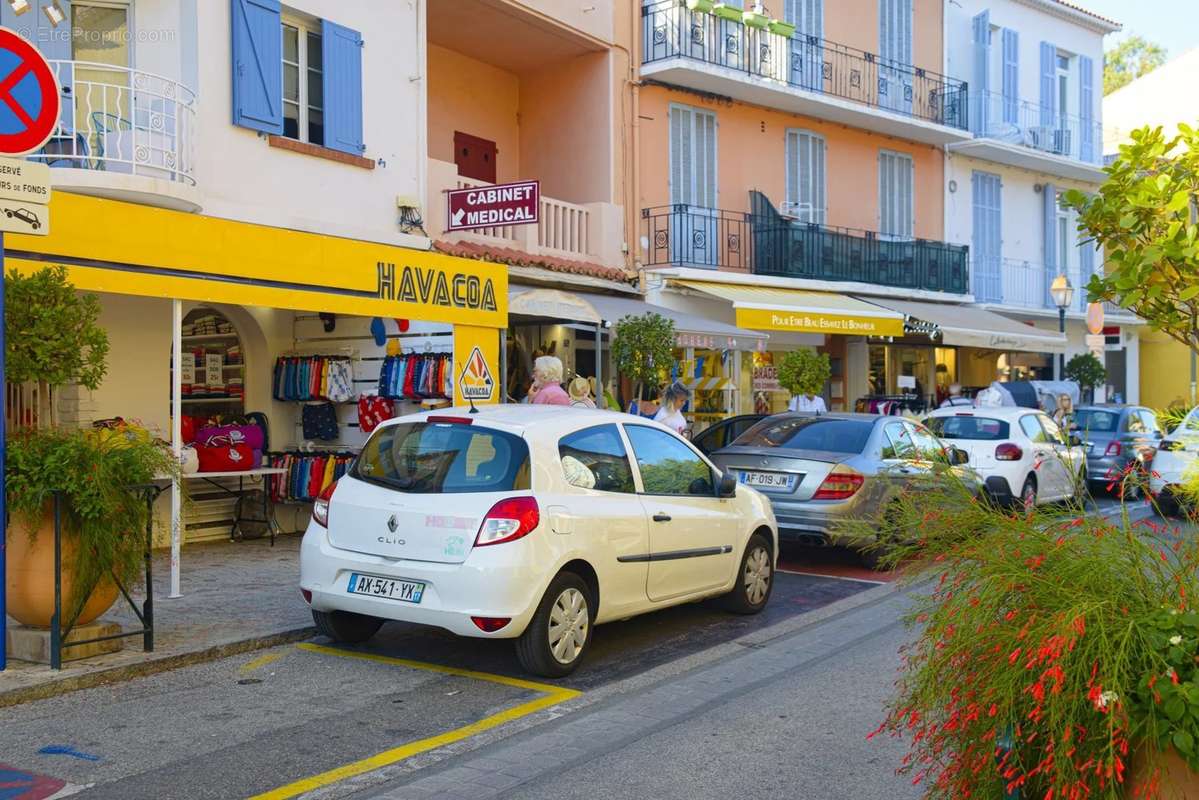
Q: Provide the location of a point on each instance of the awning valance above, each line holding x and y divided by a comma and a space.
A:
970, 326
691, 330
772, 309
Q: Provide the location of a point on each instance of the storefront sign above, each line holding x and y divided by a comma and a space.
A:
435, 287
702, 341
812, 322
476, 382
491, 206
766, 379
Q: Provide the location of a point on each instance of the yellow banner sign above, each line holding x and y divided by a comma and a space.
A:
781, 319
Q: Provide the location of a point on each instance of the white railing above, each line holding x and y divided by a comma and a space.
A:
564, 227
1022, 284
1036, 127
116, 119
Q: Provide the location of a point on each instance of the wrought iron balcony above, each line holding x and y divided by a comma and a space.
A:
767, 243
1036, 127
807, 63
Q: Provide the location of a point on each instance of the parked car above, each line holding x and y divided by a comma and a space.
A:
1174, 462
819, 471
723, 433
1118, 438
1023, 456
530, 523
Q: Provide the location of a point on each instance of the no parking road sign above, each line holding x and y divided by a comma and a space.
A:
29, 101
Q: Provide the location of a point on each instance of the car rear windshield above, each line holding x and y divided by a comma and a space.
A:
432, 458
1089, 419
809, 433
973, 428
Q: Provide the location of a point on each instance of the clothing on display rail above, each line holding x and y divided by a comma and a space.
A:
313, 378
416, 376
308, 474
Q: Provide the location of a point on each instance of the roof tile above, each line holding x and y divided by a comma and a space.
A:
520, 258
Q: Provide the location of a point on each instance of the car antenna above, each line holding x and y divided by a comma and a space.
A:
473, 410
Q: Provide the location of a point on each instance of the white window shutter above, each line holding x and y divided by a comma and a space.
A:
818, 198
794, 191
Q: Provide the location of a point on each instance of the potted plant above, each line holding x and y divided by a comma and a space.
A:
729, 11
784, 29
1054, 655
755, 17
804, 372
1087, 371
53, 337
703, 6
642, 351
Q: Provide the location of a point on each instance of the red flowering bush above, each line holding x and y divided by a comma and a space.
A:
1042, 650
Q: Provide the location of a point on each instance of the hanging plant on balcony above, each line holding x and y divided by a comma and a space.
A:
703, 6
785, 29
729, 11
755, 17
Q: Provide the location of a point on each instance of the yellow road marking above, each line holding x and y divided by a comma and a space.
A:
261, 661
552, 696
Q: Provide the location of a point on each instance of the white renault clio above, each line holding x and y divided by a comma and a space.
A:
531, 523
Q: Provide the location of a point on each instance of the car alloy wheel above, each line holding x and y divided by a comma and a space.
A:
757, 575
569, 624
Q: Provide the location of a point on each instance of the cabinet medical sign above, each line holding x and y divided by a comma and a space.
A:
492, 206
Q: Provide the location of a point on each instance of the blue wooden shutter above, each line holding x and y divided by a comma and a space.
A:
1048, 74
1011, 76
987, 243
1049, 212
1086, 106
341, 49
257, 65
982, 71
1086, 268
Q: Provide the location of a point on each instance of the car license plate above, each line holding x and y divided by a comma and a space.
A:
390, 588
769, 480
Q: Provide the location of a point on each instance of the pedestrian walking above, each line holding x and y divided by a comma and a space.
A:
812, 403
670, 411
547, 374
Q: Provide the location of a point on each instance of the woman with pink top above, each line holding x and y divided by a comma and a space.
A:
547, 373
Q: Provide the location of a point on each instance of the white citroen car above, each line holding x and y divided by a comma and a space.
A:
532, 523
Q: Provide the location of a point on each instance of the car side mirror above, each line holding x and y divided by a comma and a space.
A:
958, 457
727, 487
1075, 440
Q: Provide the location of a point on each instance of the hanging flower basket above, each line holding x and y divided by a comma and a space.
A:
703, 6
727, 11
755, 19
785, 29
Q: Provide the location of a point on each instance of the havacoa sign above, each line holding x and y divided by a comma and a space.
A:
492, 206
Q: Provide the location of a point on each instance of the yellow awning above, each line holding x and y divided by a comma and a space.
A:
111, 246
772, 309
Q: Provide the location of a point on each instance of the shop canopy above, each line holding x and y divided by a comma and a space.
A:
794, 310
970, 326
596, 309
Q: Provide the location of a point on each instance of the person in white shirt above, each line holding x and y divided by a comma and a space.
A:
670, 412
955, 397
807, 402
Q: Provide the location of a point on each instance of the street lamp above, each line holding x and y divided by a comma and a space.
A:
1063, 294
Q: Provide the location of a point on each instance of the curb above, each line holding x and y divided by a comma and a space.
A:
152, 666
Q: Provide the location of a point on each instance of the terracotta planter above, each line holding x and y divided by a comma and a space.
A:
1175, 779
30, 579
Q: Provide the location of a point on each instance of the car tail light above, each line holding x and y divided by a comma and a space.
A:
448, 420
843, 482
490, 624
320, 506
508, 520
307, 595
1008, 452
1113, 449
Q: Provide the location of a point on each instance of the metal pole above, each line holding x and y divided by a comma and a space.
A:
1193, 383
176, 442
56, 620
148, 605
599, 365
1061, 359
3, 475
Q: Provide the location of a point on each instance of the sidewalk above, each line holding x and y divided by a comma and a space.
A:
237, 596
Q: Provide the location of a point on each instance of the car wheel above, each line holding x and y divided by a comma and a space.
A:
345, 626
1028, 494
560, 631
755, 579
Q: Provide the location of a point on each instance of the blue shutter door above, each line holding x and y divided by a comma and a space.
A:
987, 244
341, 49
1048, 73
257, 65
982, 69
1086, 268
1011, 76
1049, 213
1086, 106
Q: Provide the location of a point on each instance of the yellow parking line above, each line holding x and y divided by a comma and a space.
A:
261, 661
552, 696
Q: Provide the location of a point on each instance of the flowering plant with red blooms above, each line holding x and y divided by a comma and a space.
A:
1042, 641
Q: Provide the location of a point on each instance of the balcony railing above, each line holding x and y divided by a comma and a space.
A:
770, 244
670, 30
121, 120
1024, 284
1036, 127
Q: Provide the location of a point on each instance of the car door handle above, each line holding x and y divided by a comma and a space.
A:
660, 517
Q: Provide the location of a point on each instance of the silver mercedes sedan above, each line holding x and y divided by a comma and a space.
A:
821, 470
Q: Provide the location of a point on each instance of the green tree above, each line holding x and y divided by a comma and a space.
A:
804, 371
1085, 370
1144, 216
643, 349
1129, 60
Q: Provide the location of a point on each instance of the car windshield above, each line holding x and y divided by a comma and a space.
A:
1096, 421
968, 427
432, 458
809, 433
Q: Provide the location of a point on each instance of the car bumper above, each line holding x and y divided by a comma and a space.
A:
817, 522
1106, 469
999, 490
492, 582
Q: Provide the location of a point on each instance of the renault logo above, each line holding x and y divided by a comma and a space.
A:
392, 524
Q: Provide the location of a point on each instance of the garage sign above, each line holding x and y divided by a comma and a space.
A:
492, 206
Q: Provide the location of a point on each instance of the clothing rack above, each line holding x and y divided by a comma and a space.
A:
890, 404
415, 376
308, 474
313, 377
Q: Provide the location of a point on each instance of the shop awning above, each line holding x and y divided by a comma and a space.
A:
691, 330
794, 310
970, 326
